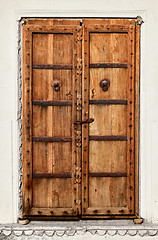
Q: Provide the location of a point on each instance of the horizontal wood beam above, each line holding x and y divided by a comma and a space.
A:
108, 65
53, 66
107, 138
52, 175
52, 139
108, 102
108, 174
52, 103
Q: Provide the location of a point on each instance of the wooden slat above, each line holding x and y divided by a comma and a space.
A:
85, 115
27, 123
107, 174
107, 138
52, 211
52, 175
52, 103
131, 121
107, 211
108, 65
52, 139
52, 66
108, 102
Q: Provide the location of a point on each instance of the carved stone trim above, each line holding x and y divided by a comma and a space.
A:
100, 228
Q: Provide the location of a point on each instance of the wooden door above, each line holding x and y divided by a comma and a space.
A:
108, 143
80, 167
51, 98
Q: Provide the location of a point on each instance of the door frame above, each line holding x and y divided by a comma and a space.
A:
20, 106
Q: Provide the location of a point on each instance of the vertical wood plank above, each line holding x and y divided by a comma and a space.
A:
85, 115
131, 120
27, 122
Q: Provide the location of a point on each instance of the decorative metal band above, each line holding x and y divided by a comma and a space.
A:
52, 139
52, 175
108, 174
52, 103
53, 66
108, 65
107, 138
108, 102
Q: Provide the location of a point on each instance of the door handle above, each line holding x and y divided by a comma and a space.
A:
89, 120
104, 84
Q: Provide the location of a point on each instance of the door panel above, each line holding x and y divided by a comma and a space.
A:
51, 186
117, 89
107, 144
109, 120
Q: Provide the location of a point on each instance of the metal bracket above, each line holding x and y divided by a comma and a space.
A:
139, 20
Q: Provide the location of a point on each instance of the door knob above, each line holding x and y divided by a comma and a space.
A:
104, 84
56, 86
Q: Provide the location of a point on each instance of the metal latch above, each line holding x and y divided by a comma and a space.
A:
89, 120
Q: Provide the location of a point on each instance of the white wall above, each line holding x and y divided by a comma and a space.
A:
12, 10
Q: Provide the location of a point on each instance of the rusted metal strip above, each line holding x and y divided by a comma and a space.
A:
53, 66
52, 175
52, 139
107, 138
108, 102
108, 65
52, 103
108, 174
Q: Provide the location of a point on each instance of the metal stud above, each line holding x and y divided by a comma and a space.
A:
85, 126
28, 151
130, 77
131, 65
130, 174
130, 113
28, 175
85, 40
130, 198
85, 52
130, 102
28, 163
131, 89
130, 150
85, 78
85, 138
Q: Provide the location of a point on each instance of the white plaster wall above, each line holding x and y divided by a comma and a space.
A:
12, 10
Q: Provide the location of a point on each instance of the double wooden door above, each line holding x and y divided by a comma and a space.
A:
80, 118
